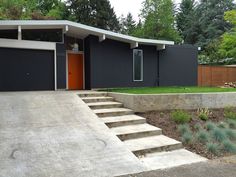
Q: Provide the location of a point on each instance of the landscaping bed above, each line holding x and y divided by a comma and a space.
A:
208, 145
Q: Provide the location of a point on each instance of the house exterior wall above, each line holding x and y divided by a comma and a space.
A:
110, 64
178, 66
61, 66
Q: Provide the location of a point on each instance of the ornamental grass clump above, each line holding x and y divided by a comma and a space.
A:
231, 123
183, 128
198, 127
228, 146
210, 126
203, 113
213, 148
230, 134
223, 125
219, 135
180, 116
187, 138
203, 136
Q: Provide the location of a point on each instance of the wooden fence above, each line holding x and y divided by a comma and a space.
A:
216, 75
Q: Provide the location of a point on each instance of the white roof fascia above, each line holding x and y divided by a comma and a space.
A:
27, 24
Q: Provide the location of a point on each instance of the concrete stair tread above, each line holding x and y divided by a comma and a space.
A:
163, 160
122, 118
99, 97
153, 142
117, 121
129, 129
91, 94
110, 110
104, 103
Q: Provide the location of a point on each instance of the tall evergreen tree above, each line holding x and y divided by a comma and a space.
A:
128, 24
159, 20
186, 21
94, 13
211, 20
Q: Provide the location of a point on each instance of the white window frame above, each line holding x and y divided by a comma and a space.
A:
134, 50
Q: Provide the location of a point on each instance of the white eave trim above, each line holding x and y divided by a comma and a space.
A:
37, 24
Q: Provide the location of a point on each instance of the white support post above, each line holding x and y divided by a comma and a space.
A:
55, 68
161, 47
102, 38
66, 29
134, 45
19, 33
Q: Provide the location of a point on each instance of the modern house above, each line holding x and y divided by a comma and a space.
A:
58, 54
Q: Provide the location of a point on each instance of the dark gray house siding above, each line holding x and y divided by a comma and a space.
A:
61, 66
178, 66
110, 64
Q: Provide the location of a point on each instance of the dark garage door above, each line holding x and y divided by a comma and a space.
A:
25, 70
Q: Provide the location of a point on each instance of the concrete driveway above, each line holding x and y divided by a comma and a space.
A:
54, 134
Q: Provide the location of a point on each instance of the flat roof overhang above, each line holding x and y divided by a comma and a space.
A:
81, 31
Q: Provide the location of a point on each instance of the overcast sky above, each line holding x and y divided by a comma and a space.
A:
133, 6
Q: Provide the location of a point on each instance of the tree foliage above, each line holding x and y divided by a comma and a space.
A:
33, 9
94, 13
128, 24
186, 21
227, 48
211, 20
159, 20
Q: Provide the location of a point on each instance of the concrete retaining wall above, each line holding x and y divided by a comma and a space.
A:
152, 102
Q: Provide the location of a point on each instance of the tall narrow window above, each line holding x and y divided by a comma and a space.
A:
137, 65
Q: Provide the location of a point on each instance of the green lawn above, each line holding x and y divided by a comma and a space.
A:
161, 90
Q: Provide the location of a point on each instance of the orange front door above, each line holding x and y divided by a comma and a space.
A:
75, 71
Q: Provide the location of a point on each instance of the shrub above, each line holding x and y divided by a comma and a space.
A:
180, 116
229, 146
187, 137
218, 134
182, 129
231, 134
203, 136
203, 113
231, 123
197, 127
210, 126
213, 148
229, 113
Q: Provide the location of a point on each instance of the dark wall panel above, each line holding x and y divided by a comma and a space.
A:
178, 66
23, 70
112, 64
61, 66
87, 62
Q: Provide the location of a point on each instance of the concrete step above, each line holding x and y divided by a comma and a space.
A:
96, 99
92, 94
136, 131
105, 105
163, 160
123, 120
112, 112
142, 146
